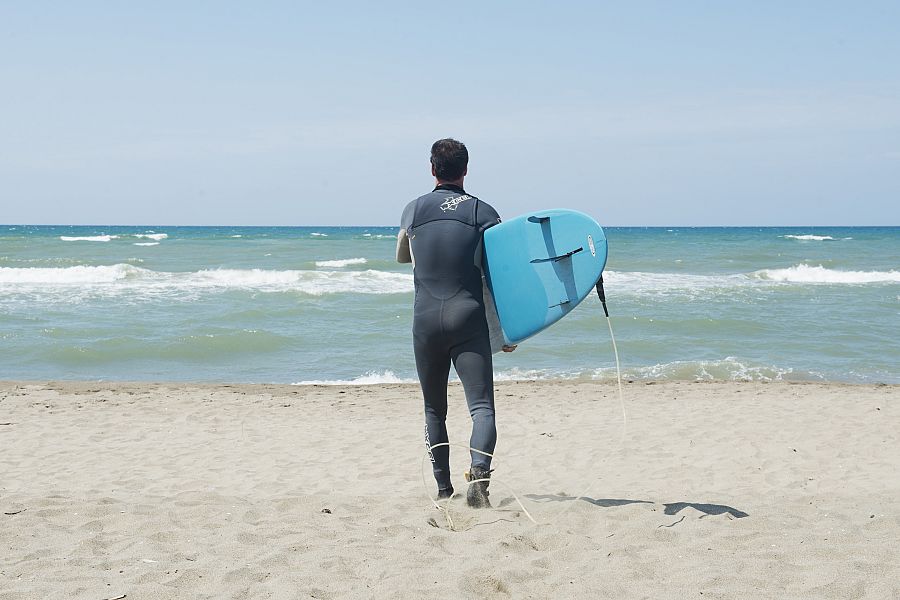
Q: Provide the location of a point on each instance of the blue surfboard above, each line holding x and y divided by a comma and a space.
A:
538, 267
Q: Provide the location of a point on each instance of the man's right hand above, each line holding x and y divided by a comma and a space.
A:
509, 348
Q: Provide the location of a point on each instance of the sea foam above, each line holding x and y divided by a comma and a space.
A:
370, 378
727, 369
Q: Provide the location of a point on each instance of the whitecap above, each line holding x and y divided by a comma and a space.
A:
336, 264
317, 234
152, 236
808, 238
90, 238
146, 243
819, 274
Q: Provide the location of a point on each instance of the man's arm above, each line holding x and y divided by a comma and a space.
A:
486, 216
404, 253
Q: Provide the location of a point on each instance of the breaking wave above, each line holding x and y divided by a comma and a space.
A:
644, 283
336, 264
819, 274
88, 238
370, 378
128, 278
330, 278
727, 369
653, 283
808, 238
107, 238
68, 275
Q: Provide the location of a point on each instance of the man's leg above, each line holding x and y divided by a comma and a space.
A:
433, 368
475, 368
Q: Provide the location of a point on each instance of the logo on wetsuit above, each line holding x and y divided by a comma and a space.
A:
452, 203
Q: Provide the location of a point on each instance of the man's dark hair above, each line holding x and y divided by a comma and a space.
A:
449, 158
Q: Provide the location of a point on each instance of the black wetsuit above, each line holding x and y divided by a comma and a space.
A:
445, 231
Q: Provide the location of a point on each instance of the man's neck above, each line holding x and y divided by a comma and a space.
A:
456, 183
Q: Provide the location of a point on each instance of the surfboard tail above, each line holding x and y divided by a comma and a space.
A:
495, 330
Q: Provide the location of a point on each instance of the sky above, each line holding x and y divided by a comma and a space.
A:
294, 113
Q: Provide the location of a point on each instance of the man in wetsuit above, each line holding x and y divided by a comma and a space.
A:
441, 234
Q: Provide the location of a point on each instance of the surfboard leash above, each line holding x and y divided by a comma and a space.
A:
601, 293
624, 433
445, 506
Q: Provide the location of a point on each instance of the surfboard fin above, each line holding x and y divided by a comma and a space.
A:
558, 258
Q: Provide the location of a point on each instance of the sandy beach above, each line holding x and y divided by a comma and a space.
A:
716, 490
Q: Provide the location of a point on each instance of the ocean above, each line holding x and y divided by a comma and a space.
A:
329, 305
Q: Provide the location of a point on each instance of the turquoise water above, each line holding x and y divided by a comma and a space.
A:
324, 304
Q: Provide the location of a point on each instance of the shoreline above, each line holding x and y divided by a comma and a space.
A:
110, 384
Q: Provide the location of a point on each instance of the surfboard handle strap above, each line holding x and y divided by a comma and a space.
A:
558, 258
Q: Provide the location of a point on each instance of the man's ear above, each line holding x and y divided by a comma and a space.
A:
466, 172
433, 174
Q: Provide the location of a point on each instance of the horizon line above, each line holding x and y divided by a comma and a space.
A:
397, 226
